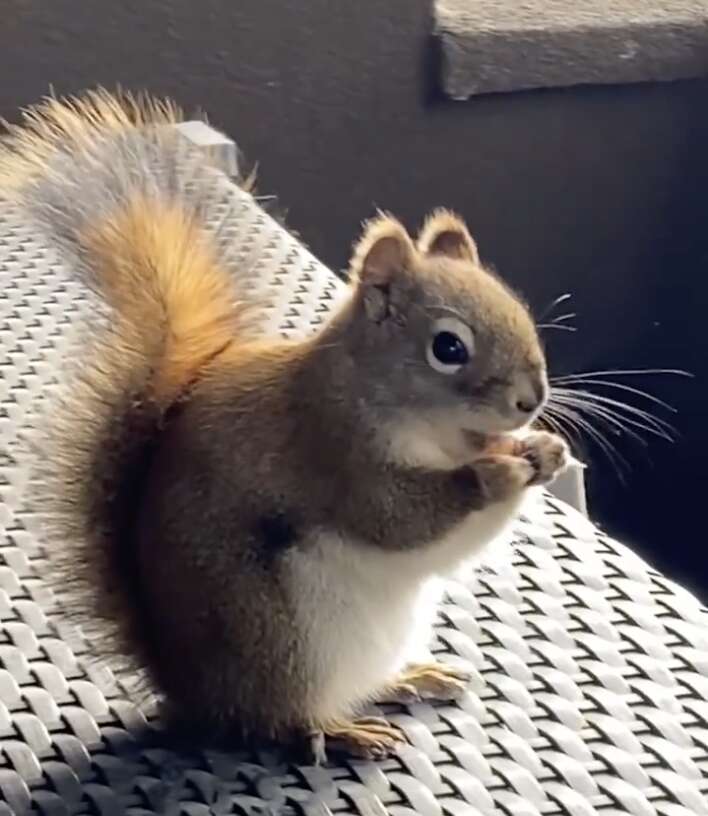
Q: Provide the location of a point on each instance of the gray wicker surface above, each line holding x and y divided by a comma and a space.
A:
591, 686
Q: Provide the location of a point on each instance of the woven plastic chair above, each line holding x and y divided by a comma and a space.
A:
591, 690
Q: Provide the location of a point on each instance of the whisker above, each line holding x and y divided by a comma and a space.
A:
615, 425
551, 421
563, 425
551, 306
623, 387
580, 425
577, 422
620, 423
613, 407
567, 316
619, 372
556, 326
618, 462
554, 424
617, 404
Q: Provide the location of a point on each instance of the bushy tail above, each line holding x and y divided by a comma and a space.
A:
105, 179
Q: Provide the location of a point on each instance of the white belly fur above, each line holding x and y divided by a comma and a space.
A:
367, 612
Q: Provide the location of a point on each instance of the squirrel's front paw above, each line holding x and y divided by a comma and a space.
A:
547, 454
502, 476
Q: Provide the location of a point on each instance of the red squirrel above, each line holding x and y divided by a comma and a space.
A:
252, 521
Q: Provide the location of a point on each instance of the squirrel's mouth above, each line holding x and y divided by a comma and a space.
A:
492, 424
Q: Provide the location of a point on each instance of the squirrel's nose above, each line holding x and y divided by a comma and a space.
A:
532, 395
527, 406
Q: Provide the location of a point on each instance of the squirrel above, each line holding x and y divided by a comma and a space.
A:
255, 523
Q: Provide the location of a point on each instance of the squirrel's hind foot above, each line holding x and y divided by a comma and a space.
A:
427, 681
363, 738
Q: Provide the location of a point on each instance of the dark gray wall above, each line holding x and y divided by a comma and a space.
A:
599, 191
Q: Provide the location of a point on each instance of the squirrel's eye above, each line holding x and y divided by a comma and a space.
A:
449, 349
451, 345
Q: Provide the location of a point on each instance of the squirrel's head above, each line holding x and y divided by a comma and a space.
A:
444, 340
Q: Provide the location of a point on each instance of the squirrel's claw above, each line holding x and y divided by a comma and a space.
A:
312, 748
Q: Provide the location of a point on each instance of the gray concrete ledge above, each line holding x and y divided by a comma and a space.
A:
492, 46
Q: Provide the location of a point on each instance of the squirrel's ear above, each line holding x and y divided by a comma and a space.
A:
445, 233
384, 250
